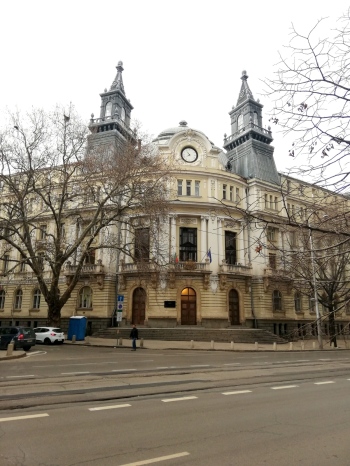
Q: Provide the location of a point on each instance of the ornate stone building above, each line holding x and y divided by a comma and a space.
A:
215, 265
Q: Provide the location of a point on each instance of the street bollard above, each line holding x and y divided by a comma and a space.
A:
290, 346
192, 344
120, 341
302, 346
346, 344
313, 345
274, 346
74, 338
232, 345
332, 345
141, 343
256, 345
10, 347
212, 344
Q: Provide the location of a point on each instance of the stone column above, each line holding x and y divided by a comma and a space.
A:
172, 236
204, 242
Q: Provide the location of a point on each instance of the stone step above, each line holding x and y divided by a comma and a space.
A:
238, 335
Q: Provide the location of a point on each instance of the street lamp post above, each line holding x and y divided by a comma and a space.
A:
319, 328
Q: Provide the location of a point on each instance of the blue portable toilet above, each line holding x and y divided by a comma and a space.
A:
77, 327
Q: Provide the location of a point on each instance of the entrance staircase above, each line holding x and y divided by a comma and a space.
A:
183, 333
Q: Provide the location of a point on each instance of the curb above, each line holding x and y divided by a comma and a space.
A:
13, 356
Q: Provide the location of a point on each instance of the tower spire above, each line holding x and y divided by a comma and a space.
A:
245, 92
117, 84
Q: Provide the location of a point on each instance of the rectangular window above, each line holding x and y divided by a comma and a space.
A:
231, 193
272, 261
188, 187
230, 248
90, 256
42, 232
6, 262
266, 202
271, 234
41, 260
238, 197
63, 230
276, 203
196, 188
22, 265
271, 202
179, 187
142, 244
188, 244
224, 191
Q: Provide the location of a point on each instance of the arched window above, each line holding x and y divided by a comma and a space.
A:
108, 111
36, 299
255, 118
85, 297
240, 122
122, 114
276, 300
18, 299
297, 302
312, 307
2, 299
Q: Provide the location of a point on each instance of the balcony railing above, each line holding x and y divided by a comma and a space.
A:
237, 269
87, 269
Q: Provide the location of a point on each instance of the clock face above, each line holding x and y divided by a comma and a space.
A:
189, 154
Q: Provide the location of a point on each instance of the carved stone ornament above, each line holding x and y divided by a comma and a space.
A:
188, 220
172, 277
122, 282
190, 265
206, 281
266, 284
214, 283
222, 281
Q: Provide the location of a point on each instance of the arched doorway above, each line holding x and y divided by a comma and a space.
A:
233, 307
188, 307
139, 306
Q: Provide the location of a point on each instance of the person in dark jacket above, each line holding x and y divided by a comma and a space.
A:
134, 335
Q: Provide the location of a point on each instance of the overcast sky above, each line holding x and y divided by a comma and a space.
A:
182, 59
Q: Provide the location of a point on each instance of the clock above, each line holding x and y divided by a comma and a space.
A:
189, 154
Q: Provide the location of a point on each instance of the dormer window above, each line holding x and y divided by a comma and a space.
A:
108, 111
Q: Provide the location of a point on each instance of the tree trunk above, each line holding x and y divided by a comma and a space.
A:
54, 315
332, 329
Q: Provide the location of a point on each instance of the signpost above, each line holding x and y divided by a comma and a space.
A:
120, 302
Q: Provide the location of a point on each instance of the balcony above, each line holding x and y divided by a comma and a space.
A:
95, 272
236, 269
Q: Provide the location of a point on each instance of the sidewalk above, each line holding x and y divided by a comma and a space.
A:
306, 345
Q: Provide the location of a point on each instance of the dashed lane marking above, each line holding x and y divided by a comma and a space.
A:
200, 365
74, 373
19, 418
100, 408
123, 370
18, 376
284, 386
233, 364
324, 383
157, 460
238, 392
184, 398
329, 359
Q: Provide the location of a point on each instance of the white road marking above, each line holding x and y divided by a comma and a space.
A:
200, 365
168, 400
35, 353
164, 367
123, 370
72, 373
233, 364
239, 392
18, 418
284, 386
329, 359
302, 360
18, 376
109, 407
157, 460
324, 383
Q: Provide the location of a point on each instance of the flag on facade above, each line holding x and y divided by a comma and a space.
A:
176, 259
209, 255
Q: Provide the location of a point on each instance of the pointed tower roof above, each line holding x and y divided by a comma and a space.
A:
245, 93
117, 84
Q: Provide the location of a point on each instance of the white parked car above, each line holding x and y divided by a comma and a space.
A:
49, 335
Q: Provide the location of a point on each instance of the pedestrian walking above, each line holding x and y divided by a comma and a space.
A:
134, 335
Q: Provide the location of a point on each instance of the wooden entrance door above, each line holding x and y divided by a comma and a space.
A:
188, 307
139, 306
233, 305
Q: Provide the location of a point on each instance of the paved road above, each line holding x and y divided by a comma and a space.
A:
303, 422
66, 374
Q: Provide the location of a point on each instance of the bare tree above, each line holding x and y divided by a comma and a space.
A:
311, 92
62, 200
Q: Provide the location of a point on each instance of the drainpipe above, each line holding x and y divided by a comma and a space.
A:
249, 258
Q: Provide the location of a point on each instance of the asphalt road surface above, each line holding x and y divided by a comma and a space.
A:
103, 406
